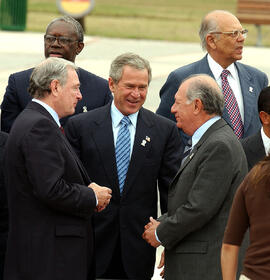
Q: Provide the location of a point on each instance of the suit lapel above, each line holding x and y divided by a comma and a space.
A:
103, 138
203, 67
218, 124
36, 106
249, 97
140, 150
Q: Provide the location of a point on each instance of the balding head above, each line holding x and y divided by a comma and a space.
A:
198, 99
223, 37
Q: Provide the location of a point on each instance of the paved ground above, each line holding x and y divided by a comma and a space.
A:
19, 50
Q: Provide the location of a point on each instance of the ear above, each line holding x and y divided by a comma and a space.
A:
54, 87
80, 47
265, 118
111, 84
198, 106
211, 41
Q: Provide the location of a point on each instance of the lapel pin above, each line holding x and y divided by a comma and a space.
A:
84, 109
250, 89
147, 138
191, 156
143, 143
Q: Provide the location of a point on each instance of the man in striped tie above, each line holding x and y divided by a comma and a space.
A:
131, 150
223, 37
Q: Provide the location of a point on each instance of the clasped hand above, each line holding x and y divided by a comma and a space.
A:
103, 195
149, 232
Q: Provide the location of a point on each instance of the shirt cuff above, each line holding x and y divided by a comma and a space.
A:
157, 236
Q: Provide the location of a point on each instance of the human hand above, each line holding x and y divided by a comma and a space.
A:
103, 195
149, 232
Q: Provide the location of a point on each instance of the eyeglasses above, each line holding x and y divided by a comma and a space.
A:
63, 41
233, 34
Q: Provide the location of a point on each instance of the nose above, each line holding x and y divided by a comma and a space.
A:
79, 95
135, 92
241, 37
56, 43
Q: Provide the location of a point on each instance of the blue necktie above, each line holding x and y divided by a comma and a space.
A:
187, 151
122, 151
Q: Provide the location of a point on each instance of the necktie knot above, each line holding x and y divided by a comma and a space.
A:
225, 74
125, 121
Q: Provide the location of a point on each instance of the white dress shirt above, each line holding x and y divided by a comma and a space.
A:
49, 109
266, 142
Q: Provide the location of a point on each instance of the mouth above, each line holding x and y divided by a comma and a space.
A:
239, 50
133, 102
55, 54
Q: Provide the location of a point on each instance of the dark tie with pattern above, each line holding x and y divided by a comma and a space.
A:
231, 105
122, 151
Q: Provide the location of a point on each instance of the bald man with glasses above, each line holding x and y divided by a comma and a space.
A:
222, 36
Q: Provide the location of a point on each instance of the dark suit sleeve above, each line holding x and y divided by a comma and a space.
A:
10, 107
167, 94
3, 206
211, 184
53, 175
171, 161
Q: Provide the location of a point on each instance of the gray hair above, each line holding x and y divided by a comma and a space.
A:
132, 60
208, 25
53, 68
73, 22
207, 90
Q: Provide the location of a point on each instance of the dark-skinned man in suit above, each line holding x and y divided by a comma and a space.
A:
63, 38
154, 157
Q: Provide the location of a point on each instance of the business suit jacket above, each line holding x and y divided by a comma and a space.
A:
253, 148
3, 206
95, 93
252, 81
91, 136
50, 207
199, 202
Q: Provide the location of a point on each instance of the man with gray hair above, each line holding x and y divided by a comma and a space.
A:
50, 196
130, 149
63, 38
222, 36
201, 193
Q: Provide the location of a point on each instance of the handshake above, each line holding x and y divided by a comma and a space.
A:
103, 195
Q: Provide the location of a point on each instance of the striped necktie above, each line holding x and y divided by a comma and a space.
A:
231, 105
122, 151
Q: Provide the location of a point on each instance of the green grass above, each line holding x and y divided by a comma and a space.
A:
173, 20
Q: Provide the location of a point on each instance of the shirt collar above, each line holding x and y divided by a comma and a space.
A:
49, 109
217, 69
117, 116
202, 129
266, 142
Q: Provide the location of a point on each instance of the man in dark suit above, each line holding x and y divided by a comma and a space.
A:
257, 146
154, 157
201, 193
63, 38
3, 206
223, 37
50, 196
